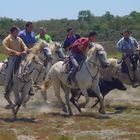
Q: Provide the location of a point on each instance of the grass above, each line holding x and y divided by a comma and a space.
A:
117, 55
2, 57
110, 50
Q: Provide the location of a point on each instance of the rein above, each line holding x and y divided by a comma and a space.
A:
93, 77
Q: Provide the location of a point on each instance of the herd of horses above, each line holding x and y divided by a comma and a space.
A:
95, 78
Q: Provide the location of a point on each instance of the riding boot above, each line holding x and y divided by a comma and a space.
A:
60, 53
71, 76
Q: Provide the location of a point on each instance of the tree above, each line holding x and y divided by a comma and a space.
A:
85, 15
108, 16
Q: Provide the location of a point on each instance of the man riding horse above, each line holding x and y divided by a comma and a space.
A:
70, 38
15, 48
77, 55
128, 45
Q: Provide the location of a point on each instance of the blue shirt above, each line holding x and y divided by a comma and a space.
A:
129, 44
70, 40
27, 37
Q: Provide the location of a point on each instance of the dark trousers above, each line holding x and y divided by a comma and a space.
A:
76, 59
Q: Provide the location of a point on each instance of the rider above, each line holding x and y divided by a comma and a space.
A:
77, 53
43, 35
127, 45
14, 47
28, 35
69, 40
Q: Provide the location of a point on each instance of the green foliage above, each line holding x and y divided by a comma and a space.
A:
108, 26
2, 57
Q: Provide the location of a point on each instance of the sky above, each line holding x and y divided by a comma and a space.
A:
33, 10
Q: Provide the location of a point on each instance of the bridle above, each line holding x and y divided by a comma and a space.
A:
24, 74
93, 77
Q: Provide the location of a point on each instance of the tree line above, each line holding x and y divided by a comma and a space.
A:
107, 26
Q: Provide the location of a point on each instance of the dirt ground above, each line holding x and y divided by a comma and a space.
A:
40, 121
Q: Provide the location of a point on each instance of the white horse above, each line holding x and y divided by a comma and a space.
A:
114, 70
23, 80
86, 77
38, 76
39, 49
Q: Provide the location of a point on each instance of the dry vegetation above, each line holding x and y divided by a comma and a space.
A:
47, 122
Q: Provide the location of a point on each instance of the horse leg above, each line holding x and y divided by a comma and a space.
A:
7, 97
19, 103
27, 98
97, 101
85, 93
67, 91
72, 99
15, 110
17, 98
101, 99
56, 86
44, 96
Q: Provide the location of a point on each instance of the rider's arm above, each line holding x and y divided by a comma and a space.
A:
7, 50
119, 46
136, 44
49, 40
23, 46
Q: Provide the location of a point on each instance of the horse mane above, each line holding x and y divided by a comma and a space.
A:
38, 46
53, 46
91, 51
113, 61
99, 46
30, 57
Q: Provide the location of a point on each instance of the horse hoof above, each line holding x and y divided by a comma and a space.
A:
134, 85
102, 111
9, 106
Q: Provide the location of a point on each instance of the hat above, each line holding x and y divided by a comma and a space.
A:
69, 29
126, 31
92, 33
42, 28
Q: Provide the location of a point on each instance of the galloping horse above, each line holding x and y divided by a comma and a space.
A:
23, 79
38, 49
86, 77
38, 76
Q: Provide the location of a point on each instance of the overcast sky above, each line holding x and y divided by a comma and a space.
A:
55, 9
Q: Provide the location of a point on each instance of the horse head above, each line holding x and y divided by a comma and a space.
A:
27, 67
98, 54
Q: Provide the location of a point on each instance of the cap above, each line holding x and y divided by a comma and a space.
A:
92, 33
126, 31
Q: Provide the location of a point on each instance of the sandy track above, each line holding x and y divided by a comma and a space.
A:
41, 122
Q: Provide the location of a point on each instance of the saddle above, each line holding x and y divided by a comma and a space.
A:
133, 60
68, 64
